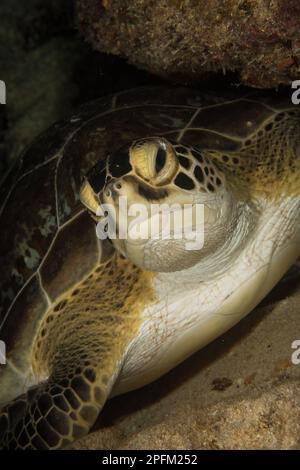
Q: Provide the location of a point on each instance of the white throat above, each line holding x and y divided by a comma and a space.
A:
194, 310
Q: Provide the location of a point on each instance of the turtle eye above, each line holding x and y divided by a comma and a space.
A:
166, 165
154, 160
160, 160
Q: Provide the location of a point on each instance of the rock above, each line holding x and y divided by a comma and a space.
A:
190, 39
240, 392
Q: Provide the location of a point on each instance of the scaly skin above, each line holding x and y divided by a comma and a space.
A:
124, 326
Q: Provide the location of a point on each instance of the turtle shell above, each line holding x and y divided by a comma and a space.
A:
47, 240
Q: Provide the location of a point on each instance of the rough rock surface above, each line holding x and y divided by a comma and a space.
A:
240, 392
188, 39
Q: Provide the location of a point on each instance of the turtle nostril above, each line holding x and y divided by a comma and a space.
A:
112, 188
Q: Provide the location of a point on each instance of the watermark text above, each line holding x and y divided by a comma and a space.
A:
2, 92
2, 353
160, 221
296, 354
296, 93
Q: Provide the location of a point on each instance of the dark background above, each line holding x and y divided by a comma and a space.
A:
49, 70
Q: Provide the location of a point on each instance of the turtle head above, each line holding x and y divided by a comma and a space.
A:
165, 206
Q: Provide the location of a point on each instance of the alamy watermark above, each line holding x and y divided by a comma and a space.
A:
160, 221
296, 354
2, 343
296, 93
2, 353
2, 92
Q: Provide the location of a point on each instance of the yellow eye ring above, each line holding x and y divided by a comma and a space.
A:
154, 160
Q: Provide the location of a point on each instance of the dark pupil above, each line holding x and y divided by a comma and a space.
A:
160, 160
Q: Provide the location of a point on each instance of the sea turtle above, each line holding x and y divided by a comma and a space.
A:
84, 319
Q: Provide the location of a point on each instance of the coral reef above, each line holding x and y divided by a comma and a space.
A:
259, 40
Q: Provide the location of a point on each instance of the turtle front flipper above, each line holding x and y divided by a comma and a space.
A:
80, 347
53, 414
62, 409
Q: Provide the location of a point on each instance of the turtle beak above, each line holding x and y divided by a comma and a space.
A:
89, 198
